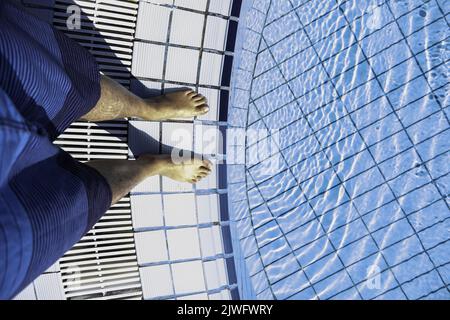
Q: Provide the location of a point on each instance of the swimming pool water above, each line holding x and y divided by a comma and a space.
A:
344, 191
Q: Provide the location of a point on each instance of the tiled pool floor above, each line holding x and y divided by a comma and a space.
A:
351, 201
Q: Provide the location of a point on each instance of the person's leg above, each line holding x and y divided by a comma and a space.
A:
116, 102
124, 175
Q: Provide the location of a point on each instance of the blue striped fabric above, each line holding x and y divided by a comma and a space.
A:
48, 200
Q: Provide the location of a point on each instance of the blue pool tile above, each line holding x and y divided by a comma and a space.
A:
255, 20
357, 251
371, 112
363, 182
325, 25
412, 268
436, 234
274, 251
329, 200
373, 200
344, 60
333, 285
282, 267
377, 285
351, 232
383, 216
399, 75
395, 294
283, 50
264, 62
320, 183
261, 215
338, 217
290, 285
391, 56
317, 98
440, 254
441, 294
267, 233
419, 198
322, 117
301, 150
295, 218
311, 166
266, 82
304, 235
400, 163
273, 100
434, 146
403, 250
381, 129
423, 285
350, 294
419, 17
286, 201
410, 92
355, 165
439, 33
390, 146
305, 294
278, 9
429, 216
367, 268
354, 9
428, 127
285, 26
259, 282
345, 148
375, 18
323, 268
335, 43
254, 264
411, 180
417, 110
393, 233
335, 132
381, 39
400, 8
314, 8
308, 81
314, 251
299, 63
265, 295
362, 95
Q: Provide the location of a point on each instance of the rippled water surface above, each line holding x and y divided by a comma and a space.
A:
351, 200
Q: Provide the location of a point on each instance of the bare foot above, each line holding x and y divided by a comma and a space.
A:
191, 171
174, 105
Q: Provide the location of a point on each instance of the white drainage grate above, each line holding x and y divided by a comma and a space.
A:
103, 265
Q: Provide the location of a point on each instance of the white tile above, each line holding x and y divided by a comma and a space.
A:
179, 209
215, 33
177, 135
151, 246
220, 6
148, 60
208, 208
222, 295
211, 69
188, 277
153, 22
215, 274
187, 28
169, 185
156, 281
199, 5
49, 287
200, 296
182, 65
183, 243
211, 241
146, 211
208, 140
213, 97
143, 137
27, 293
